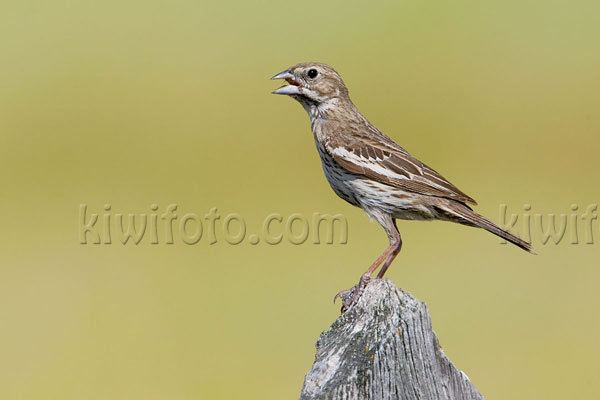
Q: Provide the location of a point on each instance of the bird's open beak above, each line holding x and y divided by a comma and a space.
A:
292, 88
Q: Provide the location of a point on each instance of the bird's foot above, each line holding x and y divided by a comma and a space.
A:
350, 296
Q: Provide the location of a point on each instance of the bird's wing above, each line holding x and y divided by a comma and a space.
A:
382, 160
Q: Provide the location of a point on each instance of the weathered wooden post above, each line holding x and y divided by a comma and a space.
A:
384, 348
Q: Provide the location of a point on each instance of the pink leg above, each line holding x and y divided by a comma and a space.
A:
392, 256
350, 296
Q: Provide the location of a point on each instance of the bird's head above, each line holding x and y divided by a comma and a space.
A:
314, 85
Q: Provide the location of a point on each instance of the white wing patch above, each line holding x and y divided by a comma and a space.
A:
370, 163
374, 164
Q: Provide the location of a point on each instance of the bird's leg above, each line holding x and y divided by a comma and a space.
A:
350, 296
398, 246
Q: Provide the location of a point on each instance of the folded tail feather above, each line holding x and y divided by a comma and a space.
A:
469, 217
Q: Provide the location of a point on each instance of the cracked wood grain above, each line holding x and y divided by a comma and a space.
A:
384, 348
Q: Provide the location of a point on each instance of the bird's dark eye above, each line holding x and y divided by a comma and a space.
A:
312, 73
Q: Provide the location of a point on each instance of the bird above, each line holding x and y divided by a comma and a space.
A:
369, 170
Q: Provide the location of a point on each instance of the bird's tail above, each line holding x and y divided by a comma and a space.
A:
469, 217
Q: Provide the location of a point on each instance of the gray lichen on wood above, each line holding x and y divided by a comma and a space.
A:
384, 348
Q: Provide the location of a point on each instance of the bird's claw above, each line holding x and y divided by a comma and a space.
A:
350, 296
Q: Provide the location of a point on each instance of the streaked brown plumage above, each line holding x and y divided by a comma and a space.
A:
367, 169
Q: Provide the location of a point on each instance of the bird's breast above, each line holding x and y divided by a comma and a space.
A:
339, 179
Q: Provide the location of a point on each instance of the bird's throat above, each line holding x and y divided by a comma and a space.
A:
333, 109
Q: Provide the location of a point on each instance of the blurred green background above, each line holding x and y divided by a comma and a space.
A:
135, 103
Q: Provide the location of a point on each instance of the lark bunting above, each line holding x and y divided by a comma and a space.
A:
368, 170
